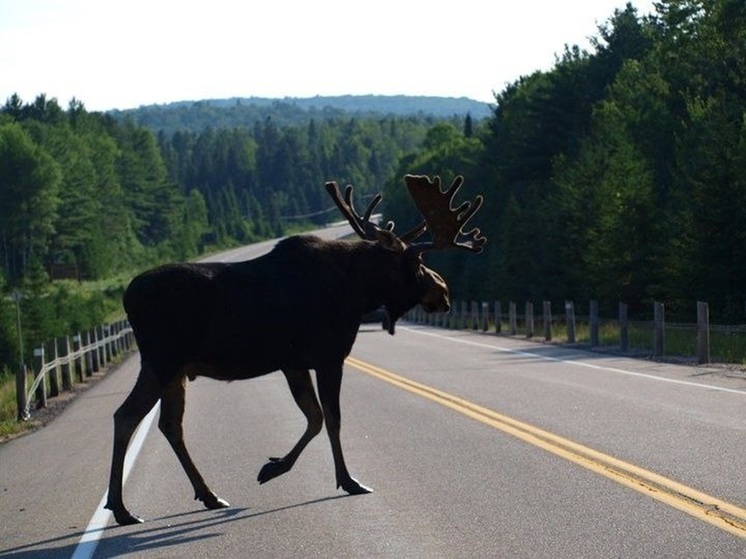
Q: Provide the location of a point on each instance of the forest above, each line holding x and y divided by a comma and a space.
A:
617, 175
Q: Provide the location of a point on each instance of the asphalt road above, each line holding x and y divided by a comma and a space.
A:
475, 445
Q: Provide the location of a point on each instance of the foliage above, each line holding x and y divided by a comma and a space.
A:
256, 182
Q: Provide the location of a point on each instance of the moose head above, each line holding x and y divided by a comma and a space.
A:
445, 223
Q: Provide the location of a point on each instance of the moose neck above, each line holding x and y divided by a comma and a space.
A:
384, 278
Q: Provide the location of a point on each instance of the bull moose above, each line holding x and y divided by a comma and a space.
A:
296, 308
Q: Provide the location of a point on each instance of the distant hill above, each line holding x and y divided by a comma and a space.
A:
229, 113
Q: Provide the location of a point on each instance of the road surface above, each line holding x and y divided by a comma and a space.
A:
476, 446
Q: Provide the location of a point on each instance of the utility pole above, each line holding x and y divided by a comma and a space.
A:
16, 296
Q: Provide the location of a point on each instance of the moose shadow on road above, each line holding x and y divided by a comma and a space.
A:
181, 529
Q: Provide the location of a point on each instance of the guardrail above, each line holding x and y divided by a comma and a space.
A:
60, 363
701, 342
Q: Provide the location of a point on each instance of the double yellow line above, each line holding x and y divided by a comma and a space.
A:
721, 514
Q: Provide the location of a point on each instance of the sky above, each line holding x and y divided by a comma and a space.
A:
114, 54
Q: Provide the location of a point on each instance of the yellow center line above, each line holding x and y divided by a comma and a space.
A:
719, 513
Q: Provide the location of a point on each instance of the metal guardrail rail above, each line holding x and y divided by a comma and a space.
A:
59, 363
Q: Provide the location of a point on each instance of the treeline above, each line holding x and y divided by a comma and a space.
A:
195, 116
618, 175
265, 180
86, 190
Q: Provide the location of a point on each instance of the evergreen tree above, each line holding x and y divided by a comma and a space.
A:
29, 186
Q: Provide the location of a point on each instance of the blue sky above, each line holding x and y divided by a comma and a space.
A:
122, 54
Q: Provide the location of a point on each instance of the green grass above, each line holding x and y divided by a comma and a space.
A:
110, 289
9, 424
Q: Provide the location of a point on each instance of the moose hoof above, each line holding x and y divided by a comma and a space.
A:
275, 467
124, 518
212, 501
353, 487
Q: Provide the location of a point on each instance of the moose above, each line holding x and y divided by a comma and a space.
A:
295, 309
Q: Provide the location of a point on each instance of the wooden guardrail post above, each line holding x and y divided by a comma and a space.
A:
41, 390
464, 316
512, 320
130, 336
94, 351
114, 333
54, 374
703, 332
63, 353
485, 316
88, 355
77, 363
547, 312
123, 337
529, 319
498, 317
474, 316
570, 319
106, 331
623, 327
100, 351
21, 392
659, 330
594, 322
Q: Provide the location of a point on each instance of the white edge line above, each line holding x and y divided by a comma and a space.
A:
578, 363
100, 519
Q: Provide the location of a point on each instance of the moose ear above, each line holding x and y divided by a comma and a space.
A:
389, 241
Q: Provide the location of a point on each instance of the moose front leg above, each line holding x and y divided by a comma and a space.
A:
329, 381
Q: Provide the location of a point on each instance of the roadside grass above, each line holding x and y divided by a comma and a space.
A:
110, 290
727, 344
8, 409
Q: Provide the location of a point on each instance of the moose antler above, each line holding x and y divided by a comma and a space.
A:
444, 221
363, 226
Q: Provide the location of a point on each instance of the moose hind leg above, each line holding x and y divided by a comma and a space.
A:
301, 387
171, 425
135, 407
329, 381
